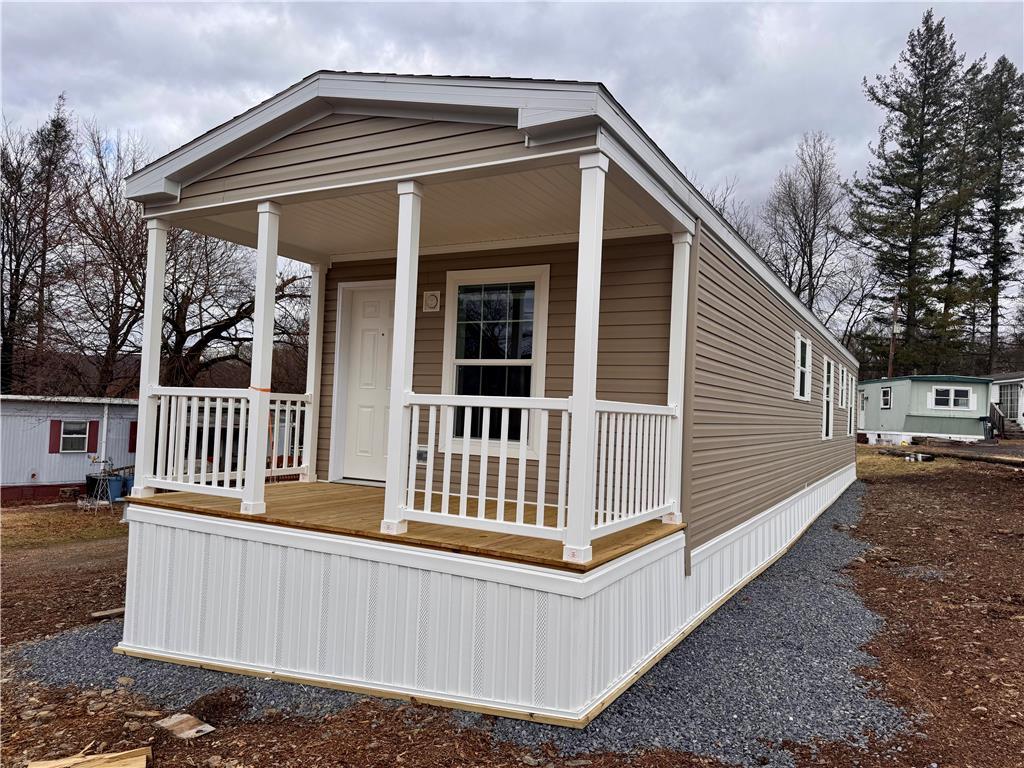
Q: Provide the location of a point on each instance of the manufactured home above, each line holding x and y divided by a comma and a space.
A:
556, 412
51, 443
905, 408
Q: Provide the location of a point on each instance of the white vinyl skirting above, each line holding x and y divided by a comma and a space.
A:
445, 628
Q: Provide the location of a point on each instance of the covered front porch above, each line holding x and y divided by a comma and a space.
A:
542, 467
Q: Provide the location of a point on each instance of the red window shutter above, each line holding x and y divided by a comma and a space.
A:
94, 437
55, 436
133, 435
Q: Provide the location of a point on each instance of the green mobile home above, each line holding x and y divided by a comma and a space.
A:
902, 408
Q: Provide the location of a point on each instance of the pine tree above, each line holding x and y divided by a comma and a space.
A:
1001, 162
901, 206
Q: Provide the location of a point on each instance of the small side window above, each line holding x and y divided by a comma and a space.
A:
73, 436
962, 398
941, 397
801, 367
886, 398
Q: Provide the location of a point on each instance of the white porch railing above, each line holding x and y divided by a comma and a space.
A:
519, 483
201, 438
632, 457
508, 482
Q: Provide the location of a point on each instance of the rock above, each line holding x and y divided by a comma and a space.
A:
45, 717
106, 691
531, 760
27, 714
124, 682
96, 706
143, 713
214, 761
980, 710
132, 725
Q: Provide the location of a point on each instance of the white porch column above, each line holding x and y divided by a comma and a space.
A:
149, 364
317, 285
676, 364
262, 357
406, 272
580, 519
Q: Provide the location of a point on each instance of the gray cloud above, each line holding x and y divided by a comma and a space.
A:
726, 90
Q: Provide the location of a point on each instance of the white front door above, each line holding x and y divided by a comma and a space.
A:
367, 370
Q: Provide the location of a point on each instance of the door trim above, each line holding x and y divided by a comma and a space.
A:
339, 394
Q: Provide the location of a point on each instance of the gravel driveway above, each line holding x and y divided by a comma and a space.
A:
775, 664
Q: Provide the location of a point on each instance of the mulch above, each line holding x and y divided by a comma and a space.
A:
945, 570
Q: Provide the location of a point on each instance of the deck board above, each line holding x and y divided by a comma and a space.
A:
357, 510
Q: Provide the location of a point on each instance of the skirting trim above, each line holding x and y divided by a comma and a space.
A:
446, 637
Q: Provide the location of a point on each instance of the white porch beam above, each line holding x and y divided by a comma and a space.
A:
681, 242
317, 287
149, 364
262, 358
579, 524
406, 272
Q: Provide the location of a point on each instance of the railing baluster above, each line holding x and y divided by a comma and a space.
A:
181, 444
229, 443
502, 463
428, 481
241, 451
542, 465
446, 475
217, 404
620, 464
206, 439
645, 467
192, 438
565, 425
161, 445
286, 443
602, 465
467, 425
485, 434
524, 440
414, 439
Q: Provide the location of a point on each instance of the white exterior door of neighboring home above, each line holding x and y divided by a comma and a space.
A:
367, 371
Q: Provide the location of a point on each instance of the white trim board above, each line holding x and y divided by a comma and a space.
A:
451, 630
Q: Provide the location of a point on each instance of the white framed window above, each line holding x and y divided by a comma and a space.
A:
495, 342
827, 385
951, 398
851, 398
801, 367
74, 436
886, 398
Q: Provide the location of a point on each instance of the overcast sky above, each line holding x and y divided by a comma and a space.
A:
726, 90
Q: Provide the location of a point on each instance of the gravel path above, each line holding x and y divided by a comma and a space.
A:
774, 664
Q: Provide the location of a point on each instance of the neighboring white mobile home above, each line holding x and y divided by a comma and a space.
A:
556, 413
50, 443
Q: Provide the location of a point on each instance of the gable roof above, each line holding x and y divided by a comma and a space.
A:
1011, 376
544, 110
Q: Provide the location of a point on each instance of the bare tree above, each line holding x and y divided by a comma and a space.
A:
805, 219
104, 268
724, 199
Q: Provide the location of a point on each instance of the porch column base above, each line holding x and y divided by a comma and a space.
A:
577, 554
142, 492
394, 527
672, 518
253, 508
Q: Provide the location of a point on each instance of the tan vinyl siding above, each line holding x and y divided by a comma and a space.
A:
346, 149
633, 336
752, 443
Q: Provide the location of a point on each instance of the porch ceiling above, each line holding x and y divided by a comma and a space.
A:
457, 213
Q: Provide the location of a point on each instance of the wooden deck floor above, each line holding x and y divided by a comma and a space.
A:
357, 510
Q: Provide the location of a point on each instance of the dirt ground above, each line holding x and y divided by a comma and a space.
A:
57, 565
944, 570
